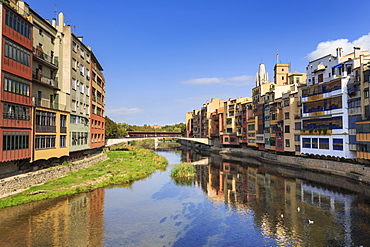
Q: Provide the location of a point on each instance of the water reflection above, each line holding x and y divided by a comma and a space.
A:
76, 221
230, 204
291, 211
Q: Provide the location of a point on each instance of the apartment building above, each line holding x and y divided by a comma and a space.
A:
46, 75
97, 126
233, 112
363, 125
16, 87
76, 76
329, 103
51, 125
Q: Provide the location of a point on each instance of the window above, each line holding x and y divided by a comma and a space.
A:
286, 102
287, 143
87, 74
324, 143
74, 64
17, 53
250, 126
73, 105
287, 129
16, 112
82, 70
17, 24
74, 46
74, 83
63, 141
63, 123
306, 142
314, 143
16, 87
320, 78
45, 141
296, 138
297, 125
82, 53
366, 93
337, 144
82, 88
286, 114
14, 140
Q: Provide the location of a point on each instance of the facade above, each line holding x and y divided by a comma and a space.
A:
50, 132
97, 126
327, 116
16, 87
46, 83
76, 77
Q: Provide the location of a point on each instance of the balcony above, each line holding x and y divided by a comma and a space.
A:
45, 129
46, 103
44, 58
316, 132
41, 79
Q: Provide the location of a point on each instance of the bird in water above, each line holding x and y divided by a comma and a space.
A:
310, 221
299, 209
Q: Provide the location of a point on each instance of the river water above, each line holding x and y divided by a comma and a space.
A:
229, 204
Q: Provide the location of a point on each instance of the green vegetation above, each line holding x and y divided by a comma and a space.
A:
183, 174
123, 167
114, 129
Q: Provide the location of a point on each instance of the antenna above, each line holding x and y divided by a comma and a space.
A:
56, 10
277, 56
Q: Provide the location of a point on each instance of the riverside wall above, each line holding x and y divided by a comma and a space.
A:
18, 183
345, 169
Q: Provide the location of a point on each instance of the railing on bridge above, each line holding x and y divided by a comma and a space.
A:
114, 141
154, 134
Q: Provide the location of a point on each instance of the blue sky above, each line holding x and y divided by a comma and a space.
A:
163, 58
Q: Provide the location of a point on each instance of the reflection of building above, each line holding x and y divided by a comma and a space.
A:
282, 207
75, 221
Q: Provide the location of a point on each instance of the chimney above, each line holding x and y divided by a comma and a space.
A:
61, 19
356, 51
339, 53
53, 22
80, 38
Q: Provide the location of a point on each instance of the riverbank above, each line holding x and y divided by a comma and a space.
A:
353, 171
123, 166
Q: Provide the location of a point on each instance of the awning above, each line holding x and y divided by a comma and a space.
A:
341, 64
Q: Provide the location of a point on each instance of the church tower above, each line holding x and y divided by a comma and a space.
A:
261, 76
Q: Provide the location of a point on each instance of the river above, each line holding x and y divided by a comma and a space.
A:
229, 204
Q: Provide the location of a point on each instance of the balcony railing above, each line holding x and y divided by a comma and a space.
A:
44, 80
45, 129
37, 51
47, 103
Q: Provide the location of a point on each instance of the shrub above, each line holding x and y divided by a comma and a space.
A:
183, 174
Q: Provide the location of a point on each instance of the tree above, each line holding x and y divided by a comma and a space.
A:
112, 129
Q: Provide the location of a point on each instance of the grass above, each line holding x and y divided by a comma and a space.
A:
123, 167
183, 173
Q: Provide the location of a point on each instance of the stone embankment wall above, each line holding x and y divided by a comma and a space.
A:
345, 169
16, 184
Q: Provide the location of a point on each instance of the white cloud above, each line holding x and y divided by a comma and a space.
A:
122, 111
329, 47
230, 81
